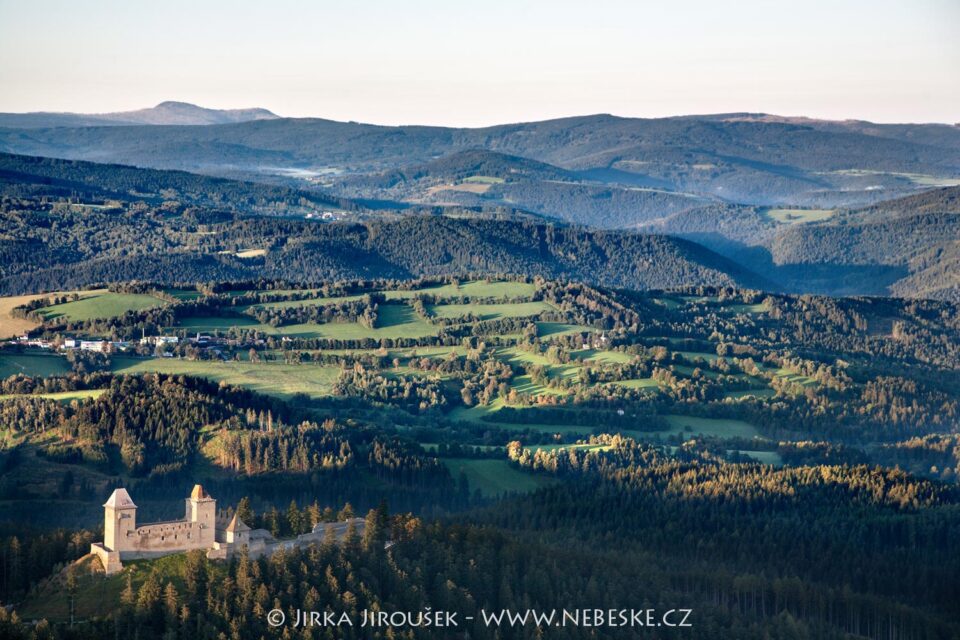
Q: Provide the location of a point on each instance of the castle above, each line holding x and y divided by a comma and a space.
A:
199, 529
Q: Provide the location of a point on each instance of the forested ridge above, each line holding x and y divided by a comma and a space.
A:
51, 249
469, 209
27, 175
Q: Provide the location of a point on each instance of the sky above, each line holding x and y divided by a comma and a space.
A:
449, 62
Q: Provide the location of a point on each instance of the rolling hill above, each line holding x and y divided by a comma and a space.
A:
915, 238
72, 221
473, 211
25, 175
748, 160
481, 178
906, 247
106, 247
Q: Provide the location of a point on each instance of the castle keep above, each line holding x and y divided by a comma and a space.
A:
199, 529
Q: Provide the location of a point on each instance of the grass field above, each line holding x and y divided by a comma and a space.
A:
310, 302
271, 378
704, 355
669, 303
63, 396
746, 308
796, 378
515, 356
32, 365
799, 216
468, 187
182, 294
688, 371
920, 179
11, 327
494, 477
476, 413
750, 393
102, 305
491, 311
718, 427
251, 253
602, 357
581, 447
638, 383
395, 321
484, 179
763, 457
523, 384
546, 329
474, 289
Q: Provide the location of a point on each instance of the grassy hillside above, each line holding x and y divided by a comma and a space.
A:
100, 305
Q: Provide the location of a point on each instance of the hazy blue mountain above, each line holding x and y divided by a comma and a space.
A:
165, 113
760, 160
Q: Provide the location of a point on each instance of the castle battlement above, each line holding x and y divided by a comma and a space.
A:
199, 529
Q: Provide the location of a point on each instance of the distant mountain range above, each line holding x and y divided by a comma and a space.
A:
165, 113
836, 207
741, 158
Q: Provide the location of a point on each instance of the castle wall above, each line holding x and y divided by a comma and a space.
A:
165, 538
109, 559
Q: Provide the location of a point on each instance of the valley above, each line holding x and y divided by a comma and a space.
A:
729, 374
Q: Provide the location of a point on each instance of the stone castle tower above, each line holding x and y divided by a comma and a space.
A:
202, 509
119, 519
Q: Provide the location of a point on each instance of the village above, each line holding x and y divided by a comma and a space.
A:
163, 346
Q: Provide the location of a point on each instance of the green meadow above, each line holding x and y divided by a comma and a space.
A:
716, 427
103, 305
547, 329
491, 311
494, 477
272, 378
40, 365
799, 216
394, 321
484, 179
62, 396
473, 289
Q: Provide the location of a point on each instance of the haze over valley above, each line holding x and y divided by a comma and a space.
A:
807, 203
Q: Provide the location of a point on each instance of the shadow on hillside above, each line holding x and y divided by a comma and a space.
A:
827, 279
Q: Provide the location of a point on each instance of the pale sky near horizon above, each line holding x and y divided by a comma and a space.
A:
480, 63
